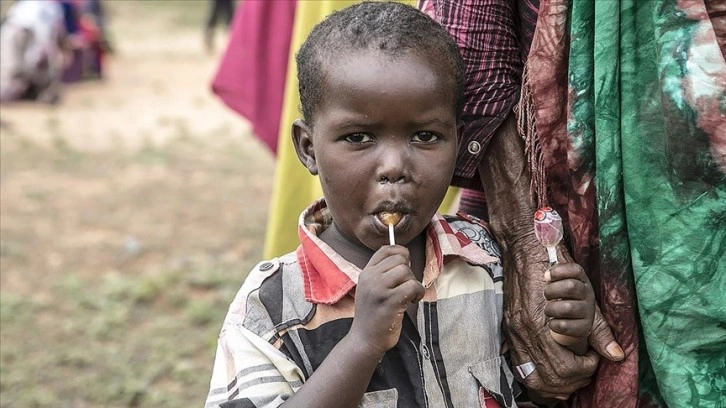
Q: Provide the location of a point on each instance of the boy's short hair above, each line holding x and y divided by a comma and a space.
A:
388, 27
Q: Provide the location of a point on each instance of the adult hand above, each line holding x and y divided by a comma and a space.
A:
506, 180
559, 371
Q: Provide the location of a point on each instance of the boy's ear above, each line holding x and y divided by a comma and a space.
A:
302, 139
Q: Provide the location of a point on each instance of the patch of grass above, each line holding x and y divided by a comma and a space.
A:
200, 312
15, 308
9, 249
126, 336
142, 333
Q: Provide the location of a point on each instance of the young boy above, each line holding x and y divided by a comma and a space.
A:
348, 320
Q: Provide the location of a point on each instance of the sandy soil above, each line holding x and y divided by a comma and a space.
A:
129, 215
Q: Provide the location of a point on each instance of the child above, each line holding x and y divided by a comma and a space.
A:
348, 320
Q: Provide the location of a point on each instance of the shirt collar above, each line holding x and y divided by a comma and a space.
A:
328, 277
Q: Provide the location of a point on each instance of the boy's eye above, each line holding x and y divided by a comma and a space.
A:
358, 138
425, 137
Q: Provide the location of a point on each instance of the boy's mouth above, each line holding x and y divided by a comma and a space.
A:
390, 218
399, 226
389, 213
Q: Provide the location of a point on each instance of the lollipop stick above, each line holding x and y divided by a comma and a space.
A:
552, 255
391, 238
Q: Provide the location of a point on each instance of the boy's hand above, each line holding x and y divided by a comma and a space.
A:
570, 306
386, 287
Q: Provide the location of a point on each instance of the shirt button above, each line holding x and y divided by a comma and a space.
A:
265, 266
425, 352
474, 147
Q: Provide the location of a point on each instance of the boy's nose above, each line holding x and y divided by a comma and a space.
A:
392, 168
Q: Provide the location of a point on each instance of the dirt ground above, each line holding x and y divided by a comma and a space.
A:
129, 215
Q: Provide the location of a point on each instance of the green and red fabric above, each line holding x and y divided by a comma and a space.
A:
629, 99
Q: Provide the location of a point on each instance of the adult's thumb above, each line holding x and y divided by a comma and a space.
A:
602, 340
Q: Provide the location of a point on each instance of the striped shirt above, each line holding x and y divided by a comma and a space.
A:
494, 37
291, 311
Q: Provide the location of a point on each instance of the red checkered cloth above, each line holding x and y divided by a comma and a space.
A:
328, 276
493, 36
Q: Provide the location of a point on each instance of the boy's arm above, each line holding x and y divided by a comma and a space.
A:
254, 374
386, 287
249, 372
342, 378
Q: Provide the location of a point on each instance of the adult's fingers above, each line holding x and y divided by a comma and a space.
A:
602, 339
537, 382
556, 365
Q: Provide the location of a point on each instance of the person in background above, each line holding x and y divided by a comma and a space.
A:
93, 24
86, 38
31, 57
218, 9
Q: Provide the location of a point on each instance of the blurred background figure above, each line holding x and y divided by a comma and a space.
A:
218, 9
31, 60
87, 40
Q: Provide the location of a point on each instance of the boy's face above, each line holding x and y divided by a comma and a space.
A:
384, 138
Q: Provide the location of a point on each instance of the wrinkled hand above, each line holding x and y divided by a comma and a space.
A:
386, 287
507, 185
559, 372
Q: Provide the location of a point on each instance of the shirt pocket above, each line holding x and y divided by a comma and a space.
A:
495, 377
380, 399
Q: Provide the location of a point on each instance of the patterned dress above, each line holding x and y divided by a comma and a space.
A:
624, 113
630, 106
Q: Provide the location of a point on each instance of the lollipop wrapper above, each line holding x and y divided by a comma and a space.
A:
548, 226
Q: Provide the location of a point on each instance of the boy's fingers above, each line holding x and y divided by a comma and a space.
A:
567, 309
566, 289
567, 271
396, 276
413, 291
389, 263
388, 251
570, 327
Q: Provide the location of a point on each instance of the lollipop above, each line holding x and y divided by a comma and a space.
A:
548, 230
390, 219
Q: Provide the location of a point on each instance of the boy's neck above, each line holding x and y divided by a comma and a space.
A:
359, 255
